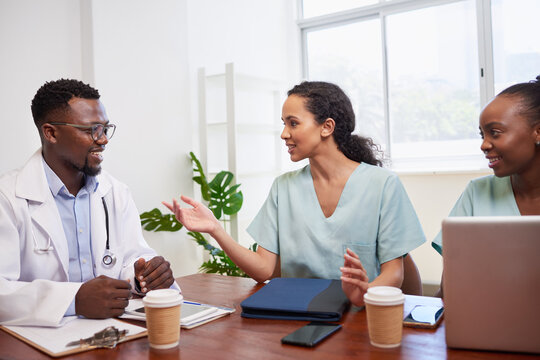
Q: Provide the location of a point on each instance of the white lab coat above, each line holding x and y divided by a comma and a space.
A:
34, 259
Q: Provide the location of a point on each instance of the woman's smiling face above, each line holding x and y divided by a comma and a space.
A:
509, 140
301, 132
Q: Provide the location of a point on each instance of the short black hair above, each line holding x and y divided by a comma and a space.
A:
55, 95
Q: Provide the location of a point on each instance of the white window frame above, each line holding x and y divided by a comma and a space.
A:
389, 7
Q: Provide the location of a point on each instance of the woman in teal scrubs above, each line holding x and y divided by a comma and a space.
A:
341, 217
510, 129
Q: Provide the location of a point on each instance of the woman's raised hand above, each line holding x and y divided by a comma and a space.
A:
354, 279
195, 218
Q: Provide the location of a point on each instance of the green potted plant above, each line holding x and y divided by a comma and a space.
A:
223, 200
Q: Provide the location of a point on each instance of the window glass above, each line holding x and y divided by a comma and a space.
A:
516, 44
432, 72
313, 8
434, 98
351, 57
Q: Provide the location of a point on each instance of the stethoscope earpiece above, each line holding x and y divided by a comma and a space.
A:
41, 250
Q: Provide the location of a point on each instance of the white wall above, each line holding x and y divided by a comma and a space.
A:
433, 196
260, 38
39, 41
141, 68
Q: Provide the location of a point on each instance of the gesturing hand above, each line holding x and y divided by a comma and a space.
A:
153, 274
196, 218
102, 297
354, 279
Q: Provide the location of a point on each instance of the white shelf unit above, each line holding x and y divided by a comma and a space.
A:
241, 114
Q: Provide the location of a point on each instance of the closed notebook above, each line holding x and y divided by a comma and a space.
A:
297, 299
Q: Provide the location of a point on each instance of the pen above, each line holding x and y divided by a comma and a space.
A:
191, 302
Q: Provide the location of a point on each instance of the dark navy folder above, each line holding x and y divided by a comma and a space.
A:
297, 299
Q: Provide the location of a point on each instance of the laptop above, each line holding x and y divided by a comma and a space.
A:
491, 283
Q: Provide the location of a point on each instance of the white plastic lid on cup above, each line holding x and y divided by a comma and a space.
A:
163, 298
384, 296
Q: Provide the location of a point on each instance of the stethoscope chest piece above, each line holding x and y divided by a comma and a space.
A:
108, 258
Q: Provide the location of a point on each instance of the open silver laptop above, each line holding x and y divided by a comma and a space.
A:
491, 282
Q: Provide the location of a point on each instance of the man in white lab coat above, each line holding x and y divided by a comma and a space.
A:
70, 236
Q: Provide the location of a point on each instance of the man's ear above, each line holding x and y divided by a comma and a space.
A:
48, 133
328, 127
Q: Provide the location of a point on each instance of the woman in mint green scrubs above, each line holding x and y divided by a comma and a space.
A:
341, 217
510, 129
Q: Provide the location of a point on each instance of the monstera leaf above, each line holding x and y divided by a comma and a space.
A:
223, 197
201, 178
154, 220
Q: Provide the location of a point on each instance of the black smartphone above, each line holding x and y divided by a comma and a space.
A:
424, 316
311, 334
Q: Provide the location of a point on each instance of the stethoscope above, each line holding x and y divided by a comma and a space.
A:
108, 260
42, 250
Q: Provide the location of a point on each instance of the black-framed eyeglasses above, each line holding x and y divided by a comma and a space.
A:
97, 129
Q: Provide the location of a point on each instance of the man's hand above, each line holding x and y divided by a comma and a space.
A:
153, 274
102, 297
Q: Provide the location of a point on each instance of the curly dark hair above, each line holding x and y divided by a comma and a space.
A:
326, 100
529, 94
54, 95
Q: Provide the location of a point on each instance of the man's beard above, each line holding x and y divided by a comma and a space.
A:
89, 171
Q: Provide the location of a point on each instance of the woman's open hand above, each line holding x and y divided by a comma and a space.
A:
195, 218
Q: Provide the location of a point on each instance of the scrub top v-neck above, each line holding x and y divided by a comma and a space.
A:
314, 200
374, 217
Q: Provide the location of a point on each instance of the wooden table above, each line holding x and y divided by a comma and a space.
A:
234, 337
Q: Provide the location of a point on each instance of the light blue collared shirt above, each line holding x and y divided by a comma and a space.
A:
75, 215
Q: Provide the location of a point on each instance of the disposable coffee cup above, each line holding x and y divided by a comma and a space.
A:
384, 307
162, 308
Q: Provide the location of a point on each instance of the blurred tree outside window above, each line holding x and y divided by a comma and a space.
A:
412, 70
